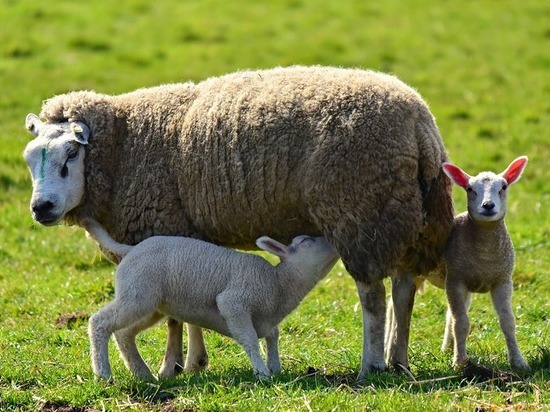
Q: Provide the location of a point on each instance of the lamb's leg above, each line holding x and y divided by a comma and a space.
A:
373, 301
272, 343
197, 356
398, 320
242, 330
126, 342
448, 339
502, 302
110, 318
389, 331
99, 332
457, 297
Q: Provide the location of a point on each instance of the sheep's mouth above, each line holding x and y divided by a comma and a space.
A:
47, 220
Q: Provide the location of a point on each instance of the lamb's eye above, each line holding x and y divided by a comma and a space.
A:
469, 189
504, 187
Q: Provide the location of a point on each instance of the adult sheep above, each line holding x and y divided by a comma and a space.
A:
350, 154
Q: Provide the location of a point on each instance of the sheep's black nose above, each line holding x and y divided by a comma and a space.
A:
42, 207
488, 205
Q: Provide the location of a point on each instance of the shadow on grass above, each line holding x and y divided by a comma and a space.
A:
207, 383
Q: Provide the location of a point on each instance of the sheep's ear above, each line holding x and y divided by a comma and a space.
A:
514, 170
272, 246
456, 174
33, 124
81, 132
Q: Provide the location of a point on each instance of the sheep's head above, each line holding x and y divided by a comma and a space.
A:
487, 192
56, 163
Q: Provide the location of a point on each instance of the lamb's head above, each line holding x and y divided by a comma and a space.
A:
487, 192
56, 163
311, 256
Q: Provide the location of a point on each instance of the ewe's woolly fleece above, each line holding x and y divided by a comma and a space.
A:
351, 154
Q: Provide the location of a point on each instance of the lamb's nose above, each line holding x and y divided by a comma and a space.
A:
488, 205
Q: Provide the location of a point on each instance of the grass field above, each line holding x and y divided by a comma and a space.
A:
484, 68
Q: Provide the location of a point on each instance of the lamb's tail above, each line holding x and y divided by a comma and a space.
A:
100, 235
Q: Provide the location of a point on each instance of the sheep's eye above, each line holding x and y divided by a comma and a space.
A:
504, 187
72, 154
469, 189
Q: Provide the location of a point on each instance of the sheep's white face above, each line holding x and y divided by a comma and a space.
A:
56, 163
487, 192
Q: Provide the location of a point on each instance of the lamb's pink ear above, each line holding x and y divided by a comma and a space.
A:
514, 170
272, 246
456, 174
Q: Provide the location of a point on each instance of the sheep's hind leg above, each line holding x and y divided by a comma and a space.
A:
126, 342
502, 302
373, 301
398, 320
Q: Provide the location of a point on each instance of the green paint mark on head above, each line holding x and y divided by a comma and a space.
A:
43, 164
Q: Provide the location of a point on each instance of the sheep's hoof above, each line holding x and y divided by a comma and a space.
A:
197, 366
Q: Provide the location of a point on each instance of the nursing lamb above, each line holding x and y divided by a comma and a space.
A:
348, 154
240, 295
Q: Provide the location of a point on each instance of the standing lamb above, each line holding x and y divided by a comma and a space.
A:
237, 294
349, 154
479, 258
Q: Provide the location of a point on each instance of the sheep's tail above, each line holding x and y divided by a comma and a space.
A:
437, 202
100, 235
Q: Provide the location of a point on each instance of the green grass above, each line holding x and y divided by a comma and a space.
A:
483, 68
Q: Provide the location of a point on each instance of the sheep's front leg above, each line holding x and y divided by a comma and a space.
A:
502, 302
172, 363
398, 320
457, 297
272, 343
197, 356
373, 301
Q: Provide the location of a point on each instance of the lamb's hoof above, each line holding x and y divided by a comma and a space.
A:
522, 368
377, 368
103, 378
263, 376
